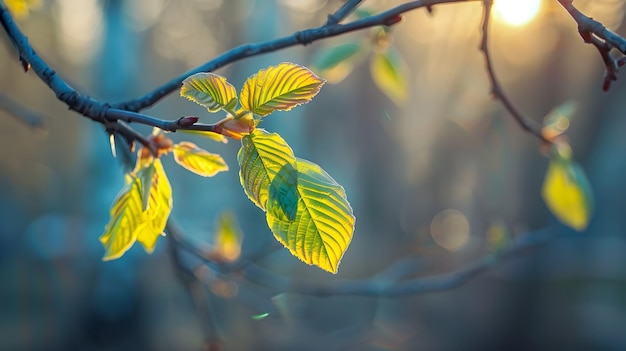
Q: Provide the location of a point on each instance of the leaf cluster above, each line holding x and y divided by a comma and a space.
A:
306, 209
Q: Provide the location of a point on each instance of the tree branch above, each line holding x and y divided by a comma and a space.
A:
595, 33
305, 37
82, 104
496, 89
343, 12
588, 26
389, 283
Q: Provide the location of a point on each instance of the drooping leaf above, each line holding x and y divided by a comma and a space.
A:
210, 90
335, 63
280, 87
197, 160
228, 238
567, 193
127, 219
159, 208
324, 223
261, 157
130, 222
388, 72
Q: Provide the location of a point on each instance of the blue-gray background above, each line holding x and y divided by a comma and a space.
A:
450, 150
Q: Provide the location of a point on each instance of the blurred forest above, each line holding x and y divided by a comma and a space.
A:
450, 153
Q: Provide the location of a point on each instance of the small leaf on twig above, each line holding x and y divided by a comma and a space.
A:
210, 90
197, 160
279, 88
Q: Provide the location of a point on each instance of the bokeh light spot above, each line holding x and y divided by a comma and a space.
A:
450, 229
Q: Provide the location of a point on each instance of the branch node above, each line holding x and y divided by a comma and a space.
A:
303, 38
187, 121
393, 20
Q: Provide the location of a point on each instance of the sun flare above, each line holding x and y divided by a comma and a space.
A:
516, 12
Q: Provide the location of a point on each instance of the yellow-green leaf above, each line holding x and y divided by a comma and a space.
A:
211, 135
210, 90
388, 72
127, 219
159, 208
261, 157
335, 63
280, 87
567, 193
324, 223
197, 160
228, 238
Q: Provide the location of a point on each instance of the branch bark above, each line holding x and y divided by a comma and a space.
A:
389, 283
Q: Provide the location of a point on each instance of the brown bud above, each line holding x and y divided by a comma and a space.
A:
187, 121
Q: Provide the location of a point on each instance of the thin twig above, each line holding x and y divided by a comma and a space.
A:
304, 37
344, 11
27, 116
130, 134
588, 26
496, 89
185, 122
84, 105
196, 292
593, 32
380, 285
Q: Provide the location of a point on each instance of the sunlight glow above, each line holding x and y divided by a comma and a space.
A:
516, 12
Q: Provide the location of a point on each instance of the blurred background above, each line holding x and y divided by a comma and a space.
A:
429, 177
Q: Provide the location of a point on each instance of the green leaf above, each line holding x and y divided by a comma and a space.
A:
210, 90
324, 223
567, 193
388, 72
159, 208
280, 87
127, 219
261, 157
337, 62
197, 160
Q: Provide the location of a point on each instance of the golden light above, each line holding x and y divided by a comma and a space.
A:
516, 12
